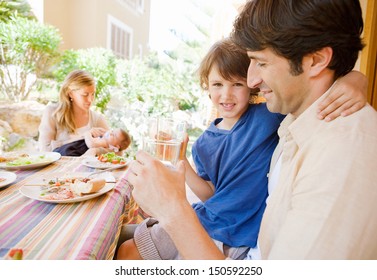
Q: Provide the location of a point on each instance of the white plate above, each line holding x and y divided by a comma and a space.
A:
50, 157
95, 163
34, 191
43, 180
9, 177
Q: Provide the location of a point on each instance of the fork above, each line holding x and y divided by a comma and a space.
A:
105, 170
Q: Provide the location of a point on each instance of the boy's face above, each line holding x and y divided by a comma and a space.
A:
231, 98
284, 93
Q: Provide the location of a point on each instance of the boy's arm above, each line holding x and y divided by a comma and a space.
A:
201, 188
346, 97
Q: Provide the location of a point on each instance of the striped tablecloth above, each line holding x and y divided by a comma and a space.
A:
85, 230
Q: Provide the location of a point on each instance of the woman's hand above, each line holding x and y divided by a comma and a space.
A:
92, 152
97, 131
348, 95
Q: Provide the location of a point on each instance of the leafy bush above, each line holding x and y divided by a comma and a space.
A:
9, 9
148, 88
27, 51
100, 62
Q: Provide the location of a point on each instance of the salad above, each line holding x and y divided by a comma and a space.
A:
112, 158
26, 160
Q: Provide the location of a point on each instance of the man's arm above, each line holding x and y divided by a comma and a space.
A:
160, 191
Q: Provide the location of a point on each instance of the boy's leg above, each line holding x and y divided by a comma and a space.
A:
128, 251
150, 242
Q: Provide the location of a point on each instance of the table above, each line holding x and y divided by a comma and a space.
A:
84, 230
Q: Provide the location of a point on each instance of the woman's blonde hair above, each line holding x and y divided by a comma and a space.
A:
64, 114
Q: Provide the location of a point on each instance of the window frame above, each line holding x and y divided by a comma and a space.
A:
127, 31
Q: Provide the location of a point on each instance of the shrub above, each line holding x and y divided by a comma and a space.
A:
27, 51
100, 62
148, 88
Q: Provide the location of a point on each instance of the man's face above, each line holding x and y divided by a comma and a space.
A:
284, 93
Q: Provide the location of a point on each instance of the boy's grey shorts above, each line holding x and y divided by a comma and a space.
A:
154, 243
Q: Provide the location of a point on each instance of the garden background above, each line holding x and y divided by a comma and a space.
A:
128, 91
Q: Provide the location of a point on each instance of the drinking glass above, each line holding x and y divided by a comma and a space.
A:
164, 139
166, 129
166, 151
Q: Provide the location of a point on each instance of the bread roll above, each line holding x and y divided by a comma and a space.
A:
94, 185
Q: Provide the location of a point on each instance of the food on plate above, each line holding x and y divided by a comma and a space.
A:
112, 158
23, 159
80, 187
71, 187
2, 179
12, 156
15, 254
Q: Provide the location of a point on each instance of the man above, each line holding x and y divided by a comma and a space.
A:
323, 174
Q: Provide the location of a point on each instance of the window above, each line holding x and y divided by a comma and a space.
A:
136, 5
119, 38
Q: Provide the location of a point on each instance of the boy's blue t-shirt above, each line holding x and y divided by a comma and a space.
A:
236, 162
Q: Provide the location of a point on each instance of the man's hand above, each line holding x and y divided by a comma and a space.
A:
158, 189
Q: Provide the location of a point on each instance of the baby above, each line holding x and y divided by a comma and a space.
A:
115, 140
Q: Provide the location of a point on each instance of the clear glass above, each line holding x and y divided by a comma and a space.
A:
164, 139
166, 151
166, 129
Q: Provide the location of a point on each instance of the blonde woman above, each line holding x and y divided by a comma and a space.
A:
63, 125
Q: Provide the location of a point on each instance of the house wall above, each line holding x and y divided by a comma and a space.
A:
84, 23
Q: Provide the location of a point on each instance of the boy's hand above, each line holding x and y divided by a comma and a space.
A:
347, 96
182, 153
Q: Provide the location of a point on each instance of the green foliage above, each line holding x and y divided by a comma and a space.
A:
165, 87
100, 62
149, 88
10, 9
27, 51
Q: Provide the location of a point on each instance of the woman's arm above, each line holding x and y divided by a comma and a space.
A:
347, 96
47, 130
94, 142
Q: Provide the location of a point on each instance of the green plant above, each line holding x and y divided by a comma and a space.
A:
149, 88
100, 62
9, 9
27, 51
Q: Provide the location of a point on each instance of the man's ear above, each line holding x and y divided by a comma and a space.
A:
320, 60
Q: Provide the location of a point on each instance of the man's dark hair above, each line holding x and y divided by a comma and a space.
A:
295, 28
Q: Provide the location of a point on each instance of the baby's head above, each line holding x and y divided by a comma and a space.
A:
117, 139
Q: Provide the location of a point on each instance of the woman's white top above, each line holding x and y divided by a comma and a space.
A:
52, 137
